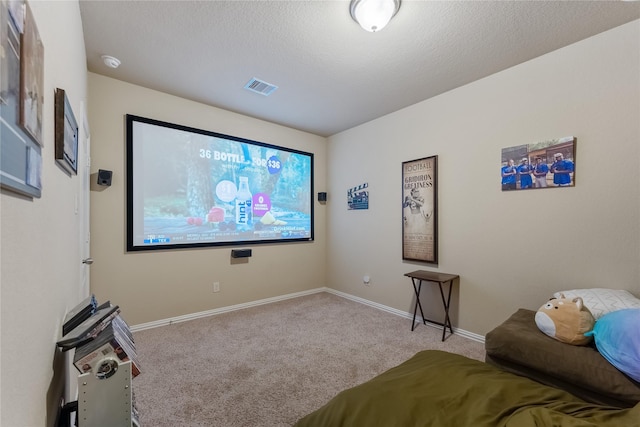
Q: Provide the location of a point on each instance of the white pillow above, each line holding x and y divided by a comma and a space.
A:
601, 301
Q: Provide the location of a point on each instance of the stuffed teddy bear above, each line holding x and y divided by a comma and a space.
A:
566, 320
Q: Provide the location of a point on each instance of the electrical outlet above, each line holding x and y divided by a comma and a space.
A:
216, 286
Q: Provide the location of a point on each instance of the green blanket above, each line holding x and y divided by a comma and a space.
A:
440, 389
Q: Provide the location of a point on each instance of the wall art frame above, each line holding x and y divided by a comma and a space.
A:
66, 133
420, 210
4, 47
544, 164
21, 159
358, 197
31, 78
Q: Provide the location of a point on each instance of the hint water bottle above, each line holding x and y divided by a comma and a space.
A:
243, 205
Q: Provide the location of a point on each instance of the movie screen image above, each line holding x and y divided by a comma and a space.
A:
188, 187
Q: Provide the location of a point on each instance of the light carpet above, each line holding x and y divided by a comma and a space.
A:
272, 364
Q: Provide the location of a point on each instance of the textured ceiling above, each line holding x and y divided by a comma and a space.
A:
331, 74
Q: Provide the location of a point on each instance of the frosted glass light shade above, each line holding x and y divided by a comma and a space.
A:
373, 15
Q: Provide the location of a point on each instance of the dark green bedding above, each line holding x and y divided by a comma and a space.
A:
440, 389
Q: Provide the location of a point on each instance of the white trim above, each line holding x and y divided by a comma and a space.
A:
457, 331
165, 322
215, 311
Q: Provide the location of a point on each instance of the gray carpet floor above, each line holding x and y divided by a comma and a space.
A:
272, 364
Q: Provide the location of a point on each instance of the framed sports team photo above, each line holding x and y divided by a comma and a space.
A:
545, 164
420, 210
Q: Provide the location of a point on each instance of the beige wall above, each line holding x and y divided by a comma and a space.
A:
584, 236
41, 251
156, 285
511, 249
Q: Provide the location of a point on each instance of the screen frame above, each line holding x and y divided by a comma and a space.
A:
131, 246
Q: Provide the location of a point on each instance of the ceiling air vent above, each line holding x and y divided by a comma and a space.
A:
258, 86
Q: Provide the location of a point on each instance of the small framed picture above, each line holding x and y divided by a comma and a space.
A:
66, 133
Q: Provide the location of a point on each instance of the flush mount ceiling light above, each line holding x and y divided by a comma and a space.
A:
110, 61
373, 15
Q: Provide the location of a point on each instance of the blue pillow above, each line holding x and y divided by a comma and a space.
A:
617, 338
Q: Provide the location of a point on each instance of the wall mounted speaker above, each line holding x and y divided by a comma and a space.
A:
322, 197
104, 177
240, 253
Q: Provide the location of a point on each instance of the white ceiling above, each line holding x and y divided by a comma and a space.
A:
332, 75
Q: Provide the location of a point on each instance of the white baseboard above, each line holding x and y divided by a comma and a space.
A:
457, 331
186, 317
215, 311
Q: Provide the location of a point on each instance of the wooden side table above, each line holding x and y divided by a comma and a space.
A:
419, 276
